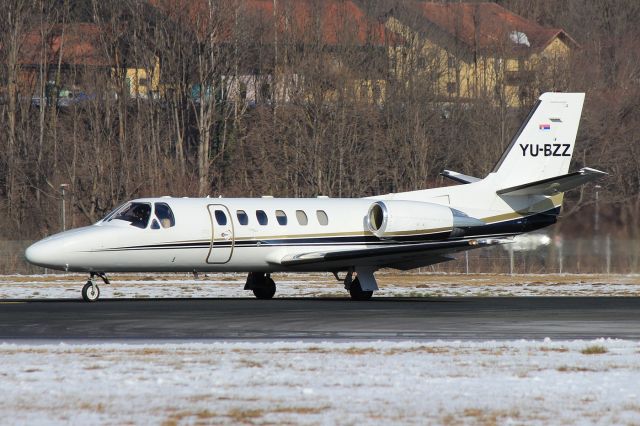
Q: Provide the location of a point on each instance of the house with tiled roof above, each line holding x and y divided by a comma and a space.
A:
282, 32
472, 50
66, 54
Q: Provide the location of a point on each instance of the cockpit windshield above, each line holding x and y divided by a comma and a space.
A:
135, 213
108, 217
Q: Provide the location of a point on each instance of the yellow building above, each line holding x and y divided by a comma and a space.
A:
479, 50
144, 82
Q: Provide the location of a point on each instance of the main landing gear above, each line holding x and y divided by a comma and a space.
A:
354, 286
357, 293
91, 291
261, 284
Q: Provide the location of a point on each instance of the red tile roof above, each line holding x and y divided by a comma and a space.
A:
332, 22
78, 43
488, 26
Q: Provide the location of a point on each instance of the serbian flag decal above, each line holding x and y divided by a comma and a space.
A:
545, 127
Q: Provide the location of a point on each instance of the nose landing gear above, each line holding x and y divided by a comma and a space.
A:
91, 291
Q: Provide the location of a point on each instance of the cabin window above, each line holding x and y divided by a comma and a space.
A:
155, 224
302, 217
323, 219
221, 218
262, 217
137, 214
281, 217
165, 215
242, 217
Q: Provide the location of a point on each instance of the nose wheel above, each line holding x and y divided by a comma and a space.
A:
91, 291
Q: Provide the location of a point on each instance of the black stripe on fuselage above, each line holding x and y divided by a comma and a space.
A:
499, 229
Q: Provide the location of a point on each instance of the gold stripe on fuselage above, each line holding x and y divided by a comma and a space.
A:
552, 202
539, 207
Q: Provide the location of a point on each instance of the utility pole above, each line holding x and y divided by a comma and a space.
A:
63, 216
596, 214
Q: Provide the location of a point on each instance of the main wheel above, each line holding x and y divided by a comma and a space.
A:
267, 290
357, 293
89, 294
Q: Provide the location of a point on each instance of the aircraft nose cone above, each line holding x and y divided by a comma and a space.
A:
43, 254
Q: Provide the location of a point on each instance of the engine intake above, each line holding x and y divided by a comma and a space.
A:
388, 219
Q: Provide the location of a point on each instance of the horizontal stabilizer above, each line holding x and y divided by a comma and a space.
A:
554, 185
459, 177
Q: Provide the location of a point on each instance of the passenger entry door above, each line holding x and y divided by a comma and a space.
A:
222, 238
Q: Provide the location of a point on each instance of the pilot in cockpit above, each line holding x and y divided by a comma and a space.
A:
140, 215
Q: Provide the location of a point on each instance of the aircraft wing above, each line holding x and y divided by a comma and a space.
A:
400, 256
554, 185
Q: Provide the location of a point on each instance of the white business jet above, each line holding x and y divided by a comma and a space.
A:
353, 237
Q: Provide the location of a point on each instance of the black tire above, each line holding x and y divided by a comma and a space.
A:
88, 294
267, 291
357, 293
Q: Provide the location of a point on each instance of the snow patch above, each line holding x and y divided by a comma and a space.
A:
460, 382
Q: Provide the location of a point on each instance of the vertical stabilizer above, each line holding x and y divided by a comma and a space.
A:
544, 144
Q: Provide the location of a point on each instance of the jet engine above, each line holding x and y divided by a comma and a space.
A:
388, 219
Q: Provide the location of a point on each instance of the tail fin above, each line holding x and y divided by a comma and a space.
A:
543, 146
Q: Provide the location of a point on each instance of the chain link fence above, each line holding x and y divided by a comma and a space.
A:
529, 254
598, 255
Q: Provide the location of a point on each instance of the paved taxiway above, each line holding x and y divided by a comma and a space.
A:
334, 319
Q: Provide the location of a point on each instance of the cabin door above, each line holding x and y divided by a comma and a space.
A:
222, 238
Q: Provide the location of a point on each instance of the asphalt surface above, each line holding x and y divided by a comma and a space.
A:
327, 319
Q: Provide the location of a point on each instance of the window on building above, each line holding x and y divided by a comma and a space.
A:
377, 92
281, 217
302, 217
265, 92
243, 218
262, 217
323, 219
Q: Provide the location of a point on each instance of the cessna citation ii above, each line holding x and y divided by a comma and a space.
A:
352, 237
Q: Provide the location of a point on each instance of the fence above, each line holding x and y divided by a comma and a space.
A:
601, 255
534, 254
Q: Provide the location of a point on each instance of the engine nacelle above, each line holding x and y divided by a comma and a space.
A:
388, 219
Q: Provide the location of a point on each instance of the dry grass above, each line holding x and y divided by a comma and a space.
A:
359, 351
419, 349
249, 363
568, 369
594, 350
95, 407
94, 367
545, 349
489, 417
300, 410
244, 415
202, 417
